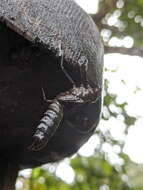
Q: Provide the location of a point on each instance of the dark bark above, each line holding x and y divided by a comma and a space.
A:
134, 51
113, 29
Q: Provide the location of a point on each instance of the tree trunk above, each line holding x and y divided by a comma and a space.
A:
8, 175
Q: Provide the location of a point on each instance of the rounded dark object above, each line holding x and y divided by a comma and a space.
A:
51, 46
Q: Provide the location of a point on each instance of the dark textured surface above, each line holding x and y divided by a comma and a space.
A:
30, 61
55, 22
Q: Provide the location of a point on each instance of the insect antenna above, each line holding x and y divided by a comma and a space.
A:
44, 96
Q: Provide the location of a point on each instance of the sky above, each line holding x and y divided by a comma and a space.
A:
89, 6
129, 71
127, 83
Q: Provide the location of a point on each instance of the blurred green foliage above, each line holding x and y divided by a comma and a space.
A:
120, 19
91, 173
115, 18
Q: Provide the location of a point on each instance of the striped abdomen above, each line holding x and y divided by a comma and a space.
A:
48, 126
